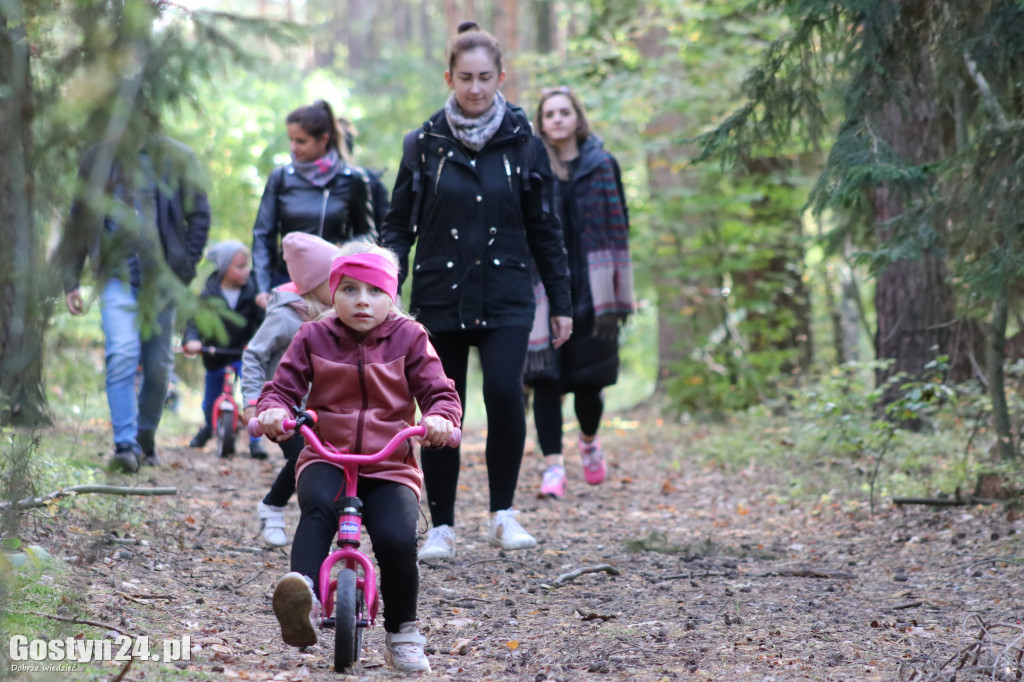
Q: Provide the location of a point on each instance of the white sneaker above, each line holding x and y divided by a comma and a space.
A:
439, 546
297, 609
272, 524
403, 650
505, 531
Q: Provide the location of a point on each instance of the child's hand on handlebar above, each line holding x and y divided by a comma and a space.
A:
272, 423
192, 348
439, 431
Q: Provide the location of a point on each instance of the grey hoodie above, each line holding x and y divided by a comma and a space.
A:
260, 358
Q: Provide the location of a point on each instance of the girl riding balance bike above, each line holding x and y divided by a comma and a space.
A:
365, 368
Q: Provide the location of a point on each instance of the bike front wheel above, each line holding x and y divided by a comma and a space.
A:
226, 434
348, 614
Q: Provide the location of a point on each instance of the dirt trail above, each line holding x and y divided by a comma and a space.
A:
727, 584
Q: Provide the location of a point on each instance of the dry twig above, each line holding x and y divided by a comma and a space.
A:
30, 502
607, 568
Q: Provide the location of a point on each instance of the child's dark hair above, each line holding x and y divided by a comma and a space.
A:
318, 119
470, 37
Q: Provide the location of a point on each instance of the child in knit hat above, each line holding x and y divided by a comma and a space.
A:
308, 259
234, 287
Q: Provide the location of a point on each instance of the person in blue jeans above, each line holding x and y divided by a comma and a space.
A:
144, 234
233, 284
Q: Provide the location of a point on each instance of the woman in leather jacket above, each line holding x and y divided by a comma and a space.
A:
474, 193
320, 193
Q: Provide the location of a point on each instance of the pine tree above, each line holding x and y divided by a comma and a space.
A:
926, 157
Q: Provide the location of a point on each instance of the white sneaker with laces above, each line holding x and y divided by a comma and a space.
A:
297, 609
403, 650
439, 545
505, 531
272, 524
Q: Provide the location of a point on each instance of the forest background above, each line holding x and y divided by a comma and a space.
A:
824, 199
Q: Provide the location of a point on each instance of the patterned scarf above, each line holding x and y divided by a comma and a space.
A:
321, 171
474, 133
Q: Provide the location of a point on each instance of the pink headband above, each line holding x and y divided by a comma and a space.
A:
371, 268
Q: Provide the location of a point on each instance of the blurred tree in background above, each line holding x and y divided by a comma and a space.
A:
895, 121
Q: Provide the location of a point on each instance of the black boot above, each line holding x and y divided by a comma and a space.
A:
126, 458
147, 441
202, 437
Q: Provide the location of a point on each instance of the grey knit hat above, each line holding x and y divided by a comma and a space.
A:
222, 253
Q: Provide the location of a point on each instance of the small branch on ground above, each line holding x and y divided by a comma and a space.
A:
968, 501
511, 561
124, 671
805, 573
607, 568
31, 502
76, 621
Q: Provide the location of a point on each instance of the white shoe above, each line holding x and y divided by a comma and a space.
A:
439, 546
297, 609
272, 524
403, 650
505, 531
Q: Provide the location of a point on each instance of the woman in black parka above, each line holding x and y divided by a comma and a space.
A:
474, 193
320, 193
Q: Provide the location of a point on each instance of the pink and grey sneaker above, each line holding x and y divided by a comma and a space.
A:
594, 467
554, 482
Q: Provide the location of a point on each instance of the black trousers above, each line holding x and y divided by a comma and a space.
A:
502, 354
547, 413
390, 514
283, 487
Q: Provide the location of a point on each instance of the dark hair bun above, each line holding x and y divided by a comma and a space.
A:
468, 26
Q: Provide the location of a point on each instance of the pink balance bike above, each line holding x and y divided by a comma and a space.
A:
352, 596
226, 413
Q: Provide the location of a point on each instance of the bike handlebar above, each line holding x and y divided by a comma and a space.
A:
330, 454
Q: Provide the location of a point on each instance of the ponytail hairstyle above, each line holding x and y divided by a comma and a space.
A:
559, 167
317, 119
470, 37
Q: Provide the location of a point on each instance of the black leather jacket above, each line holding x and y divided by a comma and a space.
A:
481, 223
341, 211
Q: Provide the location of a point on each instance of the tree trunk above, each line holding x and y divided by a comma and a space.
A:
427, 32
997, 382
544, 23
505, 30
913, 298
22, 274
688, 307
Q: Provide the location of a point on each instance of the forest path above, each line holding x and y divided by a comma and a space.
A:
716, 580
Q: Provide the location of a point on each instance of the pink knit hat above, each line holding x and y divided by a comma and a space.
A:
308, 259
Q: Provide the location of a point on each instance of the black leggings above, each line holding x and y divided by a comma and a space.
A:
283, 487
390, 515
502, 354
547, 413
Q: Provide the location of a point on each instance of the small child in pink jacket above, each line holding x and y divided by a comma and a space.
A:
366, 367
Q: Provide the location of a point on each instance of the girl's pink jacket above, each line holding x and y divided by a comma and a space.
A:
364, 391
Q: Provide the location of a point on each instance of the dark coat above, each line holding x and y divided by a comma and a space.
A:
239, 333
480, 225
182, 212
338, 212
593, 209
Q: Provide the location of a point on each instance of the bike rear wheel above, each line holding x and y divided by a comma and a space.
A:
348, 617
226, 434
